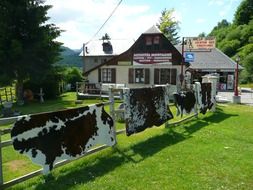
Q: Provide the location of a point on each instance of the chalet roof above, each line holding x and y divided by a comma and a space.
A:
211, 59
95, 47
153, 30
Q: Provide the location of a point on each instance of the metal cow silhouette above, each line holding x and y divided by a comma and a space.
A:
50, 137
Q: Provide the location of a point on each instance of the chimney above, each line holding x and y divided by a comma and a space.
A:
107, 47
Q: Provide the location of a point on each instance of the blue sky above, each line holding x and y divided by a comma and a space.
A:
82, 18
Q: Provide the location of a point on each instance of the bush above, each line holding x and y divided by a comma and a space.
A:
74, 75
50, 86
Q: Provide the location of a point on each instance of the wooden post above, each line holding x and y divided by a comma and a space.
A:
6, 94
112, 111
1, 161
77, 90
101, 91
11, 94
197, 100
166, 97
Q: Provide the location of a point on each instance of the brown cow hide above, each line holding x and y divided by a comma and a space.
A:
54, 136
144, 108
205, 99
206, 89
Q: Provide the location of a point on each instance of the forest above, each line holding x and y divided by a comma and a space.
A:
236, 38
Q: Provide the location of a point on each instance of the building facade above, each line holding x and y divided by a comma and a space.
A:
151, 60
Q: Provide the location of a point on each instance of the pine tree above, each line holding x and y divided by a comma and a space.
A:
28, 48
168, 26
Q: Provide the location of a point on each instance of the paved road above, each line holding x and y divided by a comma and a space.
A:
246, 96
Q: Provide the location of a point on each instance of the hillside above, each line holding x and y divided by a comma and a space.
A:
236, 38
70, 57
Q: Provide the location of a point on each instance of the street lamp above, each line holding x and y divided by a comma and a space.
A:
236, 76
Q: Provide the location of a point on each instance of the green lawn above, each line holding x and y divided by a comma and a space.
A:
214, 151
249, 85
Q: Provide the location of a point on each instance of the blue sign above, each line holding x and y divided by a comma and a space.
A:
189, 57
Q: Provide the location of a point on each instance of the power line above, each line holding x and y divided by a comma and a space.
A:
105, 21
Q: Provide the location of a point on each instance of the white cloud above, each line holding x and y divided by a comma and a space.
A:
227, 8
216, 2
177, 16
81, 20
200, 20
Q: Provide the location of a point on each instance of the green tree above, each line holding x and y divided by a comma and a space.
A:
230, 47
202, 34
248, 65
27, 42
106, 37
74, 75
168, 26
244, 12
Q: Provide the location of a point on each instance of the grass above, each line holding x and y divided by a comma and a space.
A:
211, 152
249, 85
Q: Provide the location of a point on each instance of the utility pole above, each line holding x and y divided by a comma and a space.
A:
182, 65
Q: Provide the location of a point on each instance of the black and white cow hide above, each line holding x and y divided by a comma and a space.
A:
184, 102
144, 108
54, 136
206, 99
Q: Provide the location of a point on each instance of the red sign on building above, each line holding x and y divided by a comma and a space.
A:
152, 58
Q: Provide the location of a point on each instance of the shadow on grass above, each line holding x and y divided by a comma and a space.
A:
82, 173
134, 154
218, 116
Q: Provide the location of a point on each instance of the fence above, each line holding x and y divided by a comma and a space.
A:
3, 144
7, 94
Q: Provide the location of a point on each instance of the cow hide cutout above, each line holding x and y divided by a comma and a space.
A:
206, 100
54, 136
184, 102
144, 108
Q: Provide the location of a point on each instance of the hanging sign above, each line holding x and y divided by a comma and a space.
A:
189, 57
197, 43
152, 58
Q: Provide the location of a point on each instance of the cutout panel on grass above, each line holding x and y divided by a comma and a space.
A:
48, 138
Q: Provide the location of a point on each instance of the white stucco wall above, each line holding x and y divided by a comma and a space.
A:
122, 74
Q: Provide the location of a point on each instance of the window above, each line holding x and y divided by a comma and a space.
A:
107, 75
157, 40
164, 76
148, 40
95, 60
103, 60
138, 76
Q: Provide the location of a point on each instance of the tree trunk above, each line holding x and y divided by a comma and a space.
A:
19, 92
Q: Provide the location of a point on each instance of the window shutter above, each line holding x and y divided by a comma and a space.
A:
146, 76
130, 76
174, 76
113, 75
156, 76
99, 75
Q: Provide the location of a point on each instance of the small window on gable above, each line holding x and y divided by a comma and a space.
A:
157, 40
103, 60
148, 40
95, 60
